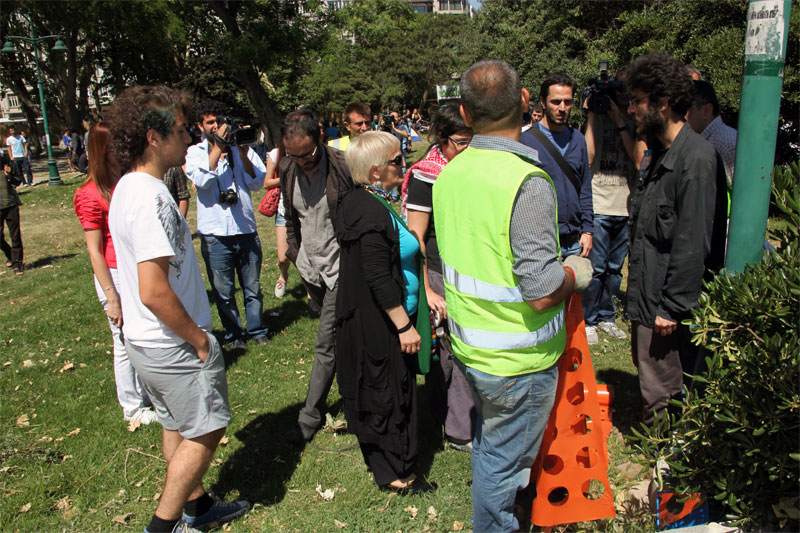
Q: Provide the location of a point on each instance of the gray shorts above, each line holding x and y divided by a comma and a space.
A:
189, 396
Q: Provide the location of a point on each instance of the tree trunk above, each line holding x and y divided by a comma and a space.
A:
268, 113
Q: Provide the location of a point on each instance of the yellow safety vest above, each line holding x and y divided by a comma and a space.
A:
493, 328
342, 143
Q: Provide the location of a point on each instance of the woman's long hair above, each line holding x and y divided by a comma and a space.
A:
103, 169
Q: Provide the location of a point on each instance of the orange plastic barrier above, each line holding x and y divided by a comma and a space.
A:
571, 471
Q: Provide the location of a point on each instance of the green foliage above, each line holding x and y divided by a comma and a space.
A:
739, 436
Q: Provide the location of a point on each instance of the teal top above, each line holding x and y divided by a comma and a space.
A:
409, 248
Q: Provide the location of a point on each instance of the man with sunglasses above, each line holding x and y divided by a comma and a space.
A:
225, 176
356, 120
563, 155
314, 179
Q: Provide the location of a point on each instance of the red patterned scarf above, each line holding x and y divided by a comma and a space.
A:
427, 168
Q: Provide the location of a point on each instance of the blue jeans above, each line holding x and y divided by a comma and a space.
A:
609, 248
227, 257
570, 248
512, 416
23, 166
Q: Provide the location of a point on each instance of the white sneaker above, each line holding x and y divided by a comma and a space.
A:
591, 335
611, 329
280, 288
143, 415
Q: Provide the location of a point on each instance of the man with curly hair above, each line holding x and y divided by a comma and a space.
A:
677, 229
167, 318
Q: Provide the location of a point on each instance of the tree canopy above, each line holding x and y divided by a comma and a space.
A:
263, 58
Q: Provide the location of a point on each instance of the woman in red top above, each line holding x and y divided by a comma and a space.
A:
91, 205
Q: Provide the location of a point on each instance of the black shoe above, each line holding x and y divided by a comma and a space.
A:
236, 344
261, 339
297, 437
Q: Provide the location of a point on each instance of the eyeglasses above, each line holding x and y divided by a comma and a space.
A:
397, 161
460, 143
307, 155
635, 101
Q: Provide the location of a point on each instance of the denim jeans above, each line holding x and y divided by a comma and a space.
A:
609, 248
571, 248
225, 258
23, 166
512, 416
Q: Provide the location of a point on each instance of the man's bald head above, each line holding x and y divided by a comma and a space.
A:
490, 93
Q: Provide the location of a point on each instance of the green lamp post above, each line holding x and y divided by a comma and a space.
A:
8, 47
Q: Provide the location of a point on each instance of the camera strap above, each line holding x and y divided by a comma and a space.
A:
229, 159
562, 163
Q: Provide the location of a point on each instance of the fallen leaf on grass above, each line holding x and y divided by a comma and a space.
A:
122, 518
411, 510
74, 432
156, 496
340, 525
327, 494
67, 366
23, 421
65, 458
7, 363
26, 363
133, 425
25, 508
224, 441
432, 514
458, 526
63, 504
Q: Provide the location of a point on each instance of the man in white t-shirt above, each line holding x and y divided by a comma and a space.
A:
167, 319
18, 153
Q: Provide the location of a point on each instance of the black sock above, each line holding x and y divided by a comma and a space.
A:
198, 506
159, 525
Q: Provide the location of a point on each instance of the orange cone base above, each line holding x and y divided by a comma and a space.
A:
570, 473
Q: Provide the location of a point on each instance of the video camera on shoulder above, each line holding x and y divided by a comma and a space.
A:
602, 90
238, 133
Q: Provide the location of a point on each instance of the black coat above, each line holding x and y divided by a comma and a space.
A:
376, 380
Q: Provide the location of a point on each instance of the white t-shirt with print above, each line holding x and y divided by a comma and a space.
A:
145, 224
17, 145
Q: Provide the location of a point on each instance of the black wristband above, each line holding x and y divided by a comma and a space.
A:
405, 328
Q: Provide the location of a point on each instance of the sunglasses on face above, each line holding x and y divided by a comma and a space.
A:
397, 161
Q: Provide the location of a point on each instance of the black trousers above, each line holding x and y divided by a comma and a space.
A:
9, 216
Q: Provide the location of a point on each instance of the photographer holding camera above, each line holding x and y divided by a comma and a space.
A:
611, 145
225, 171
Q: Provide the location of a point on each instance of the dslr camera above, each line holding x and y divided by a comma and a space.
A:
238, 133
228, 197
387, 121
602, 90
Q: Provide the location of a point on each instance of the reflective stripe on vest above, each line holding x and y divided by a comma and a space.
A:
496, 340
481, 289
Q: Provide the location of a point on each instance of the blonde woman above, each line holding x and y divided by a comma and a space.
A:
378, 303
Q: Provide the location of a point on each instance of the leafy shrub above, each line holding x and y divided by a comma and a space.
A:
738, 438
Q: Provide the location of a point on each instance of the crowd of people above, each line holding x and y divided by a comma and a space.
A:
508, 213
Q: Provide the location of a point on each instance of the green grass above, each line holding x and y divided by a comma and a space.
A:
56, 377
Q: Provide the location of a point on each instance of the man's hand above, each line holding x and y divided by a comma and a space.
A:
664, 327
204, 348
581, 269
436, 304
586, 244
614, 114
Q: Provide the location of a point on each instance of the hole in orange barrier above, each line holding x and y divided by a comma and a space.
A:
587, 457
550, 434
575, 393
558, 496
593, 489
553, 464
574, 359
582, 425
